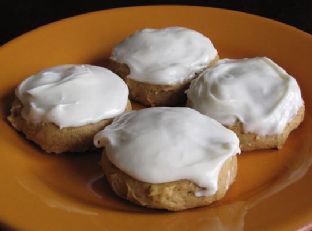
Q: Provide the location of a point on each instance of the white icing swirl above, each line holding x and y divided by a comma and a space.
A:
72, 95
165, 56
158, 145
255, 91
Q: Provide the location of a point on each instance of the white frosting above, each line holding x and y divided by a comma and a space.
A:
165, 56
158, 145
72, 95
255, 91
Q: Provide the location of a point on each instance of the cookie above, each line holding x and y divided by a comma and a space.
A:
168, 158
63, 107
173, 196
158, 64
254, 97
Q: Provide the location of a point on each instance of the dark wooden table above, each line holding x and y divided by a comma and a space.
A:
20, 16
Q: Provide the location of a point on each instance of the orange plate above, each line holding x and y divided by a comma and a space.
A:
273, 190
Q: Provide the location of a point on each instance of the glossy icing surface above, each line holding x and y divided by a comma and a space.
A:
256, 91
72, 95
165, 56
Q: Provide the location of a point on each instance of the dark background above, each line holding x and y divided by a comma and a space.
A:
20, 16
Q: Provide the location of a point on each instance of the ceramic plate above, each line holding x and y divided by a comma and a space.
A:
273, 190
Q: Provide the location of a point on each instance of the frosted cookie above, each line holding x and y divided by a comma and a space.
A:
158, 64
62, 108
168, 158
254, 97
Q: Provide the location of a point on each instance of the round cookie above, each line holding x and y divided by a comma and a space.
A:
158, 64
173, 196
250, 141
51, 138
254, 97
62, 108
168, 158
